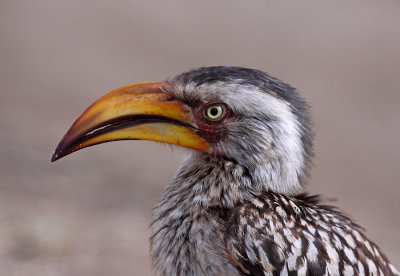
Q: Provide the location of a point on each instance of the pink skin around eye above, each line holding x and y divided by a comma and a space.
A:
211, 130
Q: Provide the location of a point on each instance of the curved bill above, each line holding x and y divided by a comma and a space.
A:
137, 111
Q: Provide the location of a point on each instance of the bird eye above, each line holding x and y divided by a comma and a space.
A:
214, 112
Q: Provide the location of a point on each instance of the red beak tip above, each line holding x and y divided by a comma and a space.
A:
56, 155
54, 158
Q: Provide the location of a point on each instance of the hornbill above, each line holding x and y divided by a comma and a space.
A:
236, 205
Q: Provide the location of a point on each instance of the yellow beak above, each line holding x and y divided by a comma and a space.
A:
137, 111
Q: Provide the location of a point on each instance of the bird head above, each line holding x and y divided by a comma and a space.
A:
227, 113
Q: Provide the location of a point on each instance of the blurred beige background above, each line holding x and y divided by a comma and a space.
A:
88, 214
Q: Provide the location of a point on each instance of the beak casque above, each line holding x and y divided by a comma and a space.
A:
140, 111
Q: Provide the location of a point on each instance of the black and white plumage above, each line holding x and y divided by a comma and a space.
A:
236, 208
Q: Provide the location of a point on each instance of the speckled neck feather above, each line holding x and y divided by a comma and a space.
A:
212, 221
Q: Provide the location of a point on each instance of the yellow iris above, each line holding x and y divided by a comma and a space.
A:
214, 112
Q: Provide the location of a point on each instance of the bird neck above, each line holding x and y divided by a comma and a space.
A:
189, 206
210, 181
205, 181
